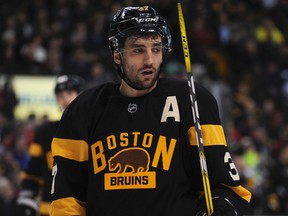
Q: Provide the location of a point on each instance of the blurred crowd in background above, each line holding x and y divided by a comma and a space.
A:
239, 51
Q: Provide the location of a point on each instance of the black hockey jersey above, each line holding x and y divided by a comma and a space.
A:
116, 155
37, 176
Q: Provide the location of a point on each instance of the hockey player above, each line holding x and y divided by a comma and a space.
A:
130, 148
37, 177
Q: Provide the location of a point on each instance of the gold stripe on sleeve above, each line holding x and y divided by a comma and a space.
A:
35, 150
211, 134
241, 191
71, 149
49, 160
45, 208
68, 206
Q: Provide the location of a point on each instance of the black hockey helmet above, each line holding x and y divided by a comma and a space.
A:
68, 82
136, 21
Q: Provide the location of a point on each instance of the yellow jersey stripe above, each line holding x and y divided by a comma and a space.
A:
35, 150
49, 160
68, 206
45, 208
71, 149
241, 191
211, 134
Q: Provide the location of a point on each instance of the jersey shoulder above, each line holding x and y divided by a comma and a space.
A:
206, 102
84, 110
91, 99
180, 86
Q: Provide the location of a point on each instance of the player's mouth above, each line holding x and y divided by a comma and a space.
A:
147, 73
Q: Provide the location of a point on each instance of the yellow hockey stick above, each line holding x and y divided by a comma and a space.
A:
204, 170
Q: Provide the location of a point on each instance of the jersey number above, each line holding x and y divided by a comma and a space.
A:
233, 173
54, 172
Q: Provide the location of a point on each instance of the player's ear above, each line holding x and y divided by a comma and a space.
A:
116, 57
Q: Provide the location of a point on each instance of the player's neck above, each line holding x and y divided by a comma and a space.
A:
128, 91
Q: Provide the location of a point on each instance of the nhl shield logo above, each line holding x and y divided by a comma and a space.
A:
132, 108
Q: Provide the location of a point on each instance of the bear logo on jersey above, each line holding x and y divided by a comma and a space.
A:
137, 159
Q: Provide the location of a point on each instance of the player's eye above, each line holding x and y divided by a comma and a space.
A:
157, 49
138, 50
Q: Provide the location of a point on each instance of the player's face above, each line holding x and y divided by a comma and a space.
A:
141, 60
64, 98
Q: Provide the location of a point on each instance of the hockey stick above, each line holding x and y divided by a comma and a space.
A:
204, 170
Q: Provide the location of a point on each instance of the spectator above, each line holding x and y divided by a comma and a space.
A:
8, 100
